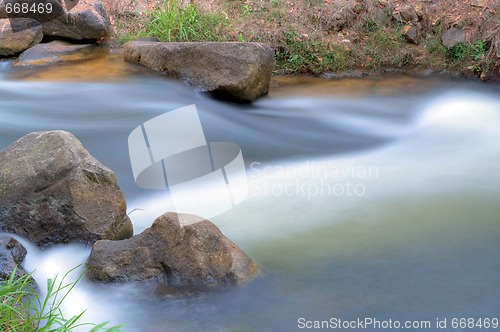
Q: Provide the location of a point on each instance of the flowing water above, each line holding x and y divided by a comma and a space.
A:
374, 198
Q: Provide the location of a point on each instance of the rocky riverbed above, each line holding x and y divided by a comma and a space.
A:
52, 191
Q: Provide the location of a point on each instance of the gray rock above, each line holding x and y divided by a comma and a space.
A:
86, 21
56, 52
411, 34
178, 249
12, 254
408, 14
17, 35
53, 191
231, 71
37, 10
453, 36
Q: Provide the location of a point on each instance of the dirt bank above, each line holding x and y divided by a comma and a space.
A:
316, 37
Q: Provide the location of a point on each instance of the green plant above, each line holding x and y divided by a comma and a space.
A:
246, 10
458, 52
480, 49
23, 309
301, 43
127, 28
371, 25
467, 51
172, 22
433, 45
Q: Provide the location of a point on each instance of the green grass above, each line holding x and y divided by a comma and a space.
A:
468, 51
22, 309
171, 22
471, 57
298, 54
300, 42
371, 26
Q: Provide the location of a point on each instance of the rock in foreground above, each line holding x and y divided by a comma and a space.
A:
12, 254
179, 249
17, 35
85, 21
53, 191
231, 71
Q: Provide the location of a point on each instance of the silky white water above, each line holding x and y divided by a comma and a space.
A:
383, 206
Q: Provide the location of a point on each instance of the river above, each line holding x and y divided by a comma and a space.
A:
368, 198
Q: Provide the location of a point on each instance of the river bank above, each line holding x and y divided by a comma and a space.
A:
344, 39
333, 39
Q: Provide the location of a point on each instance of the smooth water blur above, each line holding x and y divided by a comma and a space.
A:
368, 198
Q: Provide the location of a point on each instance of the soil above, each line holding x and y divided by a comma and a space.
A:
346, 24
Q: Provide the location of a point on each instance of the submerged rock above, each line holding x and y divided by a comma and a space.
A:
179, 249
56, 52
231, 71
12, 254
53, 191
17, 35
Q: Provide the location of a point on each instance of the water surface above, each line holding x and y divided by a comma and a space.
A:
417, 238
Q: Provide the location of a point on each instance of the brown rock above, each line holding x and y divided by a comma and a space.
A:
53, 191
87, 20
336, 16
419, 10
179, 249
411, 34
56, 52
17, 35
480, 3
408, 14
232, 71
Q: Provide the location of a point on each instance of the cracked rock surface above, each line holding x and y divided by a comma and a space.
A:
53, 191
178, 249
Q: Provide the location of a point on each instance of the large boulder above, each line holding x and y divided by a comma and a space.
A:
17, 35
178, 249
53, 191
85, 21
231, 71
12, 254
56, 52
